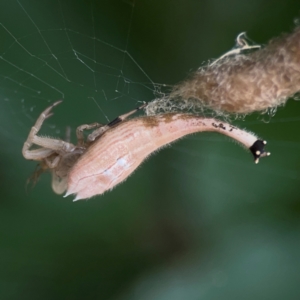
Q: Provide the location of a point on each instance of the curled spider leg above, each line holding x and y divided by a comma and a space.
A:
81, 128
98, 132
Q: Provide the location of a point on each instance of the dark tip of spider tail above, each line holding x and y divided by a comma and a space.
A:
258, 150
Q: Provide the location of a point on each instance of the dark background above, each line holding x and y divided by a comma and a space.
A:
199, 220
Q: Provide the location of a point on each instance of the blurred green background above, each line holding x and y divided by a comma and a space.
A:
199, 220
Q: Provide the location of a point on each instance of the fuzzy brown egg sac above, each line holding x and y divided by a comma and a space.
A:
246, 83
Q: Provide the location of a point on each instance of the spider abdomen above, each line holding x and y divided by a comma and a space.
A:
110, 160
121, 149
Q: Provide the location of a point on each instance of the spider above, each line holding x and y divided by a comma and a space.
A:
60, 156
111, 152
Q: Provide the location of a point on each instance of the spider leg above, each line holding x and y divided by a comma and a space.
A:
43, 165
50, 144
52, 163
125, 116
68, 134
80, 129
38, 154
35, 129
98, 132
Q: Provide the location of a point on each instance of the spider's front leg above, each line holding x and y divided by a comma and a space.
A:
49, 145
98, 132
33, 132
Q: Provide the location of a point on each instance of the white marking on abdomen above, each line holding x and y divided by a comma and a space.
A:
122, 162
113, 173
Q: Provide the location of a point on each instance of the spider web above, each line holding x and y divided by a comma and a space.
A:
50, 52
103, 60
